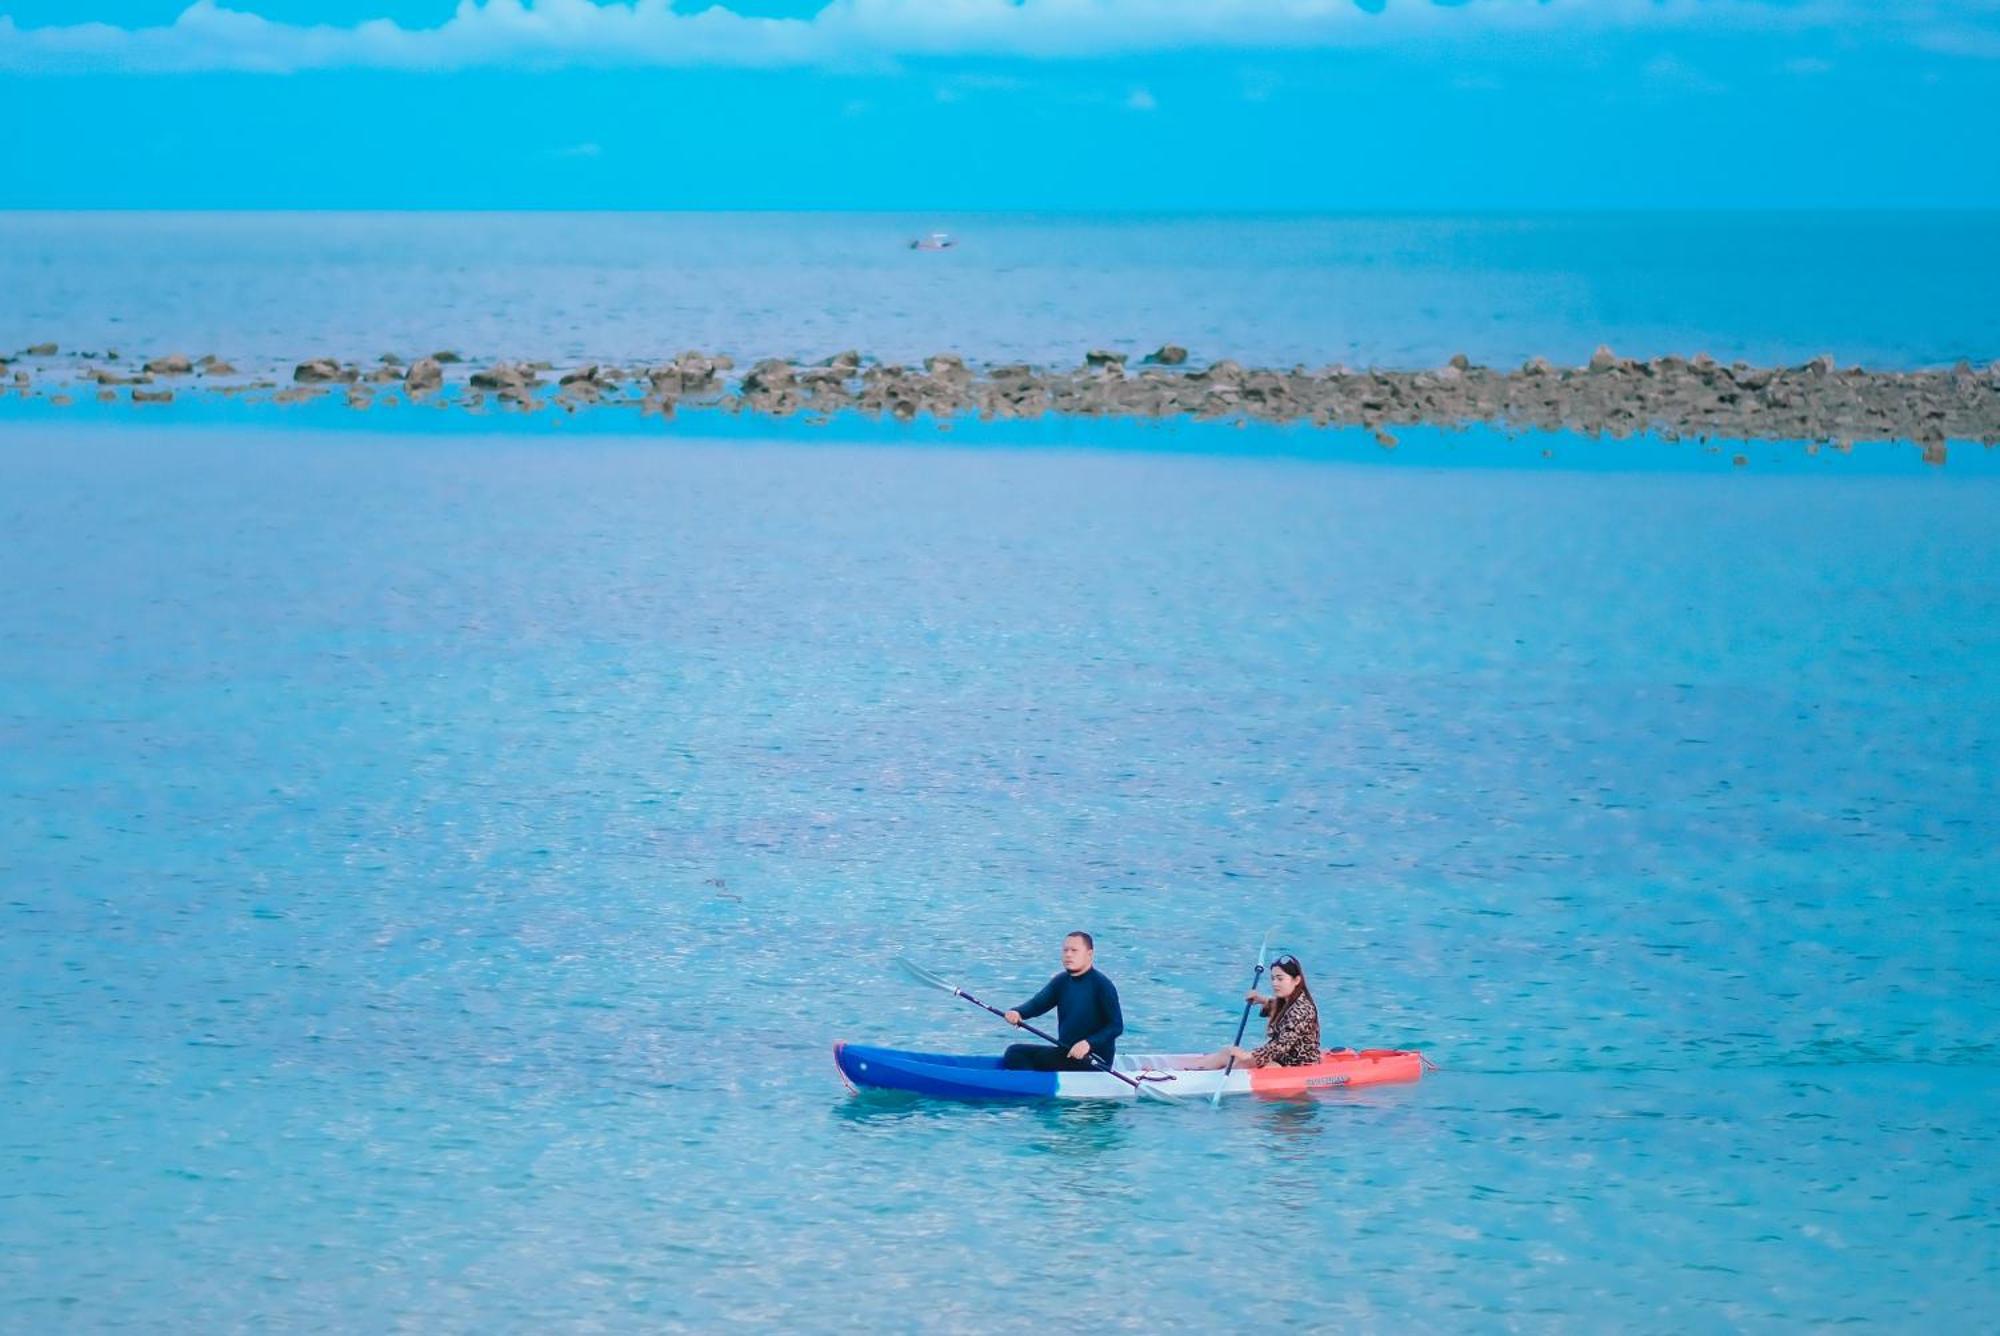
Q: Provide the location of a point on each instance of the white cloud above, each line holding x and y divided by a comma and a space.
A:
537, 33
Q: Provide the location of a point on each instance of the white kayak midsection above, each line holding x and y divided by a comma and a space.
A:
1162, 1072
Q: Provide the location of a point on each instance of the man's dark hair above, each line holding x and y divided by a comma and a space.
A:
1088, 945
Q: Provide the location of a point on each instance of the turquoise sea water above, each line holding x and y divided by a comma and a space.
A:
264, 290
433, 870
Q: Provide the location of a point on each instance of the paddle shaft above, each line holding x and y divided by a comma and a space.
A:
1102, 1065
1244, 1024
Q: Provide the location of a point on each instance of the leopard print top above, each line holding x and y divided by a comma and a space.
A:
1294, 1037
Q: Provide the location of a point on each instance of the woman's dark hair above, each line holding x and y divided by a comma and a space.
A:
1290, 965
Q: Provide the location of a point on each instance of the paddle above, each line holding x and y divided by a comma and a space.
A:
1145, 1085
1243, 1024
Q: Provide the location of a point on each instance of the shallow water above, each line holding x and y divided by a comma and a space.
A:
263, 290
436, 869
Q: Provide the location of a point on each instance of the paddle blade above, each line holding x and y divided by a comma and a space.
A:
924, 976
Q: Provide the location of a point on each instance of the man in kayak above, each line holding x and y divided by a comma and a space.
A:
1088, 1021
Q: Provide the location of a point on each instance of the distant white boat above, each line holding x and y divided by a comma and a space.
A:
935, 241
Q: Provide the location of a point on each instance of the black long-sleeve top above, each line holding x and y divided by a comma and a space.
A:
1086, 1007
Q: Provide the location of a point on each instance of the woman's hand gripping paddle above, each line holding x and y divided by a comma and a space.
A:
1244, 1024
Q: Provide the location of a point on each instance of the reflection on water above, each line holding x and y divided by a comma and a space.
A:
1078, 1130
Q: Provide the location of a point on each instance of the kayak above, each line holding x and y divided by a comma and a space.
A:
981, 1077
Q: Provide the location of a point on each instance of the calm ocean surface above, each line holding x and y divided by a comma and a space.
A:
434, 866
1886, 290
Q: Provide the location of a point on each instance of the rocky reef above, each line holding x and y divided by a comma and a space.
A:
1670, 397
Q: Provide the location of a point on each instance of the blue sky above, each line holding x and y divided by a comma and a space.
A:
968, 104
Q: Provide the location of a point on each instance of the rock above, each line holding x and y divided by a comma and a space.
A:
827, 382
1603, 359
173, 364
947, 366
390, 359
298, 394
1537, 366
1934, 452
502, 376
579, 376
217, 367
1103, 357
768, 375
41, 350
1823, 365
848, 360
691, 372
318, 370
1460, 362
445, 357
1167, 354
1739, 461
152, 396
61, 400
424, 376
107, 396
383, 375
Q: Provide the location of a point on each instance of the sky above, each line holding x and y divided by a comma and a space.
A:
1055, 105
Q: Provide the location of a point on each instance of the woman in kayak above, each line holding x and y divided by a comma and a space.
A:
1294, 1030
